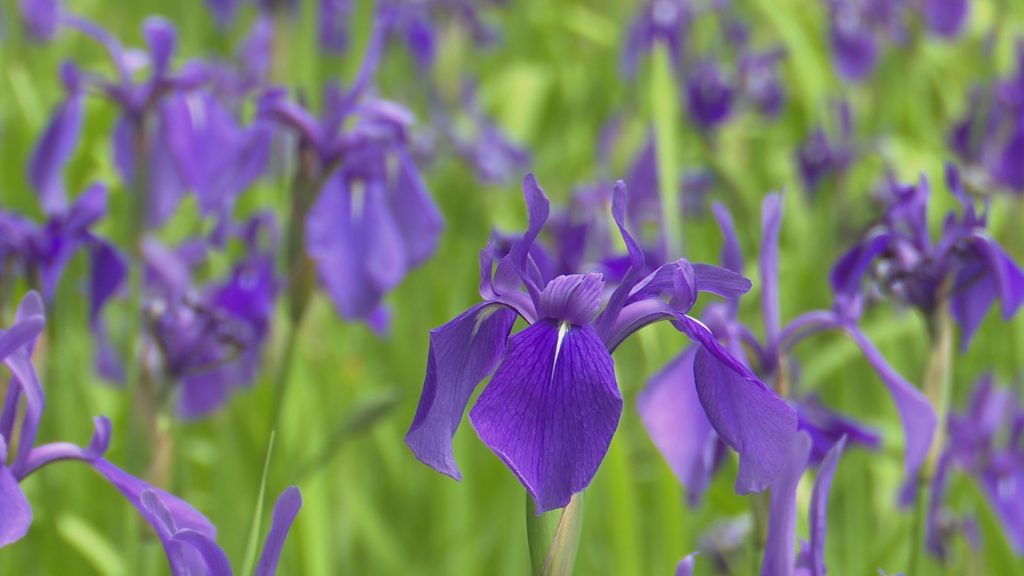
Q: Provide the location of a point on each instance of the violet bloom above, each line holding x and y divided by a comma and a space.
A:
670, 406
486, 148
418, 24
965, 268
362, 212
945, 17
990, 136
666, 21
188, 538
986, 443
553, 404
760, 82
207, 341
709, 95
778, 558
822, 156
41, 17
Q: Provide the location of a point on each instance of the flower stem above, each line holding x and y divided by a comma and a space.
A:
937, 378
665, 119
554, 537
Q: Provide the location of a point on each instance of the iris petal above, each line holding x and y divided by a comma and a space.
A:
551, 409
462, 353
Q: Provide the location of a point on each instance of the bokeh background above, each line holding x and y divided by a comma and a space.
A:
552, 80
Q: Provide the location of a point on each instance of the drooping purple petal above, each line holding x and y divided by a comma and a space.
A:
162, 39
462, 353
415, 212
778, 549
819, 507
15, 512
52, 152
750, 418
183, 514
551, 409
916, 412
675, 420
285, 510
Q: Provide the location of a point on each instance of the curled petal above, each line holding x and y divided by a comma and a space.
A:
551, 409
916, 412
609, 318
462, 353
538, 207
574, 298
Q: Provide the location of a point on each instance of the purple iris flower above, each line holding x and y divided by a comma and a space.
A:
665, 21
205, 342
821, 156
852, 38
669, 406
985, 442
945, 17
709, 95
779, 559
760, 82
188, 538
486, 148
553, 404
965, 268
366, 217
41, 17
990, 136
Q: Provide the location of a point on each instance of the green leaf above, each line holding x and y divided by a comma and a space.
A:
91, 544
257, 519
665, 120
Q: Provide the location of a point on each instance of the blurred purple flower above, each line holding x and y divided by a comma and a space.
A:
689, 444
945, 17
666, 21
709, 95
486, 148
760, 82
821, 156
553, 404
363, 214
41, 17
990, 136
986, 442
188, 538
965, 268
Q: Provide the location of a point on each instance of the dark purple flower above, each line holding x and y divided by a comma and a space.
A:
209, 340
553, 404
821, 156
990, 136
688, 444
709, 95
965, 269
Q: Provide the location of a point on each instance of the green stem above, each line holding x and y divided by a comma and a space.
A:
937, 378
554, 537
284, 372
665, 120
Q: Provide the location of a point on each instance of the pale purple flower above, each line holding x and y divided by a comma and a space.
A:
689, 443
